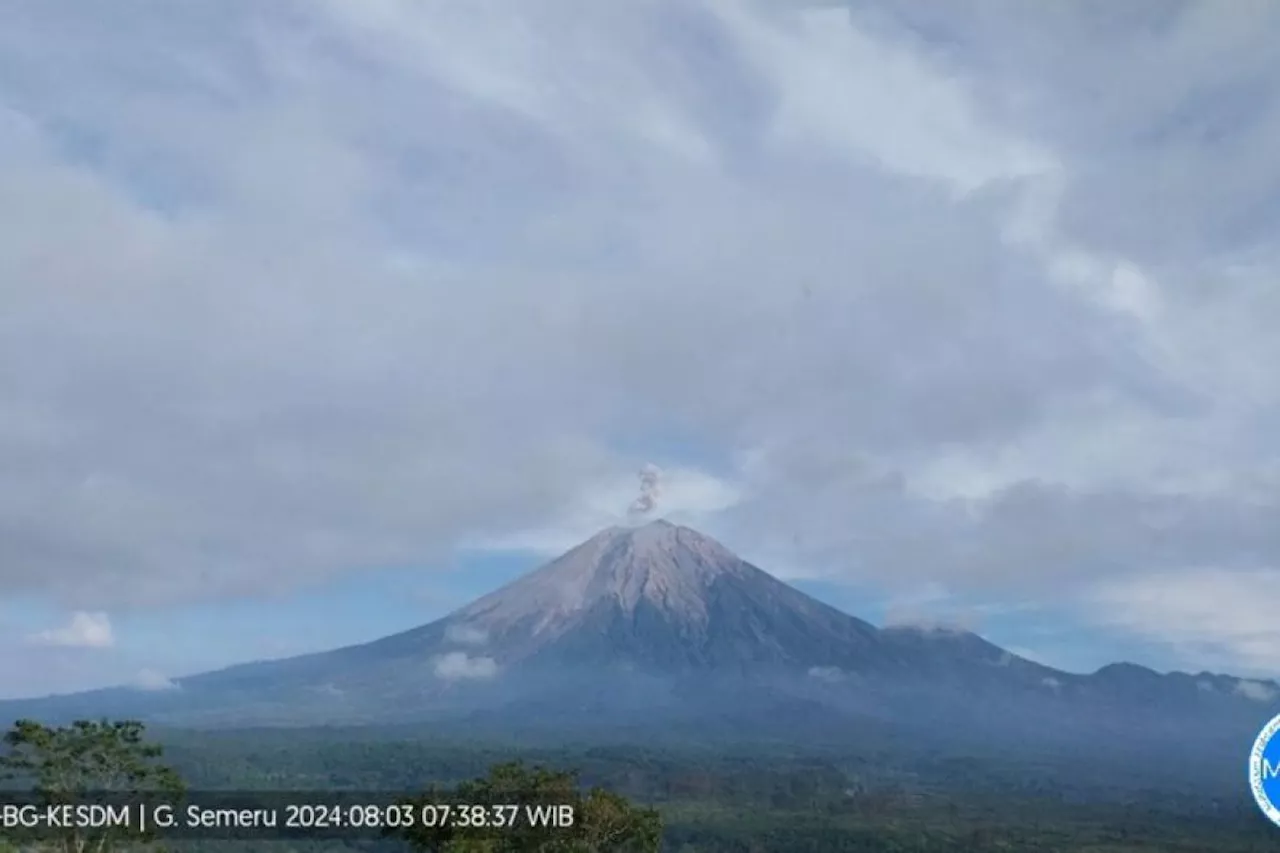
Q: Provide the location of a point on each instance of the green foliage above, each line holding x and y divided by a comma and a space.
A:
762, 797
85, 757
602, 820
76, 762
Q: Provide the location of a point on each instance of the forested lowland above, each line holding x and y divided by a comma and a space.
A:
743, 798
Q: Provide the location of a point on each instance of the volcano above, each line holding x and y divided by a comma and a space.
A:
641, 625
629, 612
660, 598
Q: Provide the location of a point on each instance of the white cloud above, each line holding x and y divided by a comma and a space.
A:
149, 679
466, 635
1215, 618
928, 607
830, 674
84, 630
459, 666
1257, 691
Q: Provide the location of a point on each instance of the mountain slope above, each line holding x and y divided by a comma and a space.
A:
659, 622
661, 597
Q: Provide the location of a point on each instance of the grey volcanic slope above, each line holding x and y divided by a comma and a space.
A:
638, 622
661, 597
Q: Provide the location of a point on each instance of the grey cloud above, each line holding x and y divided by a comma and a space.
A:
650, 491
1025, 539
297, 296
1163, 108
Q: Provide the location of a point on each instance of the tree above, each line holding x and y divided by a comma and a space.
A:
82, 761
602, 822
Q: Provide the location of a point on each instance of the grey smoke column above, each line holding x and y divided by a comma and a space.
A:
650, 489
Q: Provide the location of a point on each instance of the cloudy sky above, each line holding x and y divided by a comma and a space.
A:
319, 318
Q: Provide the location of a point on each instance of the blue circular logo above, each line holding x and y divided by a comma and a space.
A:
1264, 770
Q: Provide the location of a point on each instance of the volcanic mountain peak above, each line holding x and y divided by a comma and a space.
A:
665, 564
641, 622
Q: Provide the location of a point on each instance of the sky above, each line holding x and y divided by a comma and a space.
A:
319, 318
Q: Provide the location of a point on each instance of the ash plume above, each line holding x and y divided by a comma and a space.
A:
650, 489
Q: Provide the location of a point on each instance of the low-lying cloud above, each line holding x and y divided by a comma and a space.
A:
459, 666
1257, 690
831, 674
151, 680
84, 630
466, 635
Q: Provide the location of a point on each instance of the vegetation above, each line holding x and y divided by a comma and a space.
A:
777, 798
686, 799
63, 765
601, 821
